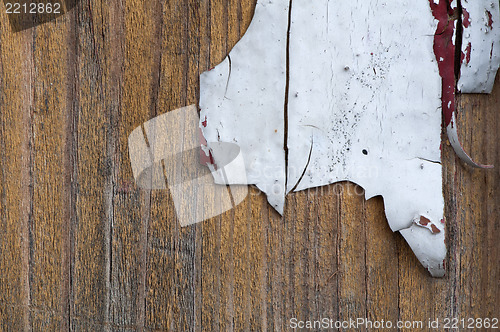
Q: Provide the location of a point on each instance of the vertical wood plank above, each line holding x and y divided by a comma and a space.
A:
477, 206
51, 176
128, 214
92, 167
352, 253
15, 170
328, 267
381, 264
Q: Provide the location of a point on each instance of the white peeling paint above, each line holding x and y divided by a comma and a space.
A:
427, 247
480, 60
480, 45
367, 124
242, 99
364, 103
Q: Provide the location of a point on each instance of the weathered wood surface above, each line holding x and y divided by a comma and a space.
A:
82, 248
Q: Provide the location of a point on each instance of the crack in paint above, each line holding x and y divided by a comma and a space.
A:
430, 161
287, 91
228, 75
305, 168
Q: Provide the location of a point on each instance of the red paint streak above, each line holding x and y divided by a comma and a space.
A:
445, 50
435, 230
466, 18
466, 55
490, 19
204, 159
442, 221
204, 123
203, 141
207, 160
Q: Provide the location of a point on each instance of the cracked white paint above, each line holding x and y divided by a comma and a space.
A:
358, 92
364, 98
480, 45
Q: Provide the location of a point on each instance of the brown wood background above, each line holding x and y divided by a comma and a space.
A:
82, 248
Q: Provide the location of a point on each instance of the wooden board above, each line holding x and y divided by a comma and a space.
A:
82, 248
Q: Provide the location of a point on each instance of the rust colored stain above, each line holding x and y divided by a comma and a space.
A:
490, 19
435, 230
424, 221
444, 50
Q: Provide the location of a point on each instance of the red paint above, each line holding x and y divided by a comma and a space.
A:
207, 160
424, 221
203, 141
444, 48
435, 230
490, 19
204, 159
204, 123
466, 56
442, 221
466, 18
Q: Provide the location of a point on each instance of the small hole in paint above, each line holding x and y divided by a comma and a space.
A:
365, 152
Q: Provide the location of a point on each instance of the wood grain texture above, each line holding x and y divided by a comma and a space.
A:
82, 248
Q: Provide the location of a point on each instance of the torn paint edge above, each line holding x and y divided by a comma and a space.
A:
445, 48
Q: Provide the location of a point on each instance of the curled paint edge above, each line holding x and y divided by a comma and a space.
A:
444, 49
479, 81
452, 132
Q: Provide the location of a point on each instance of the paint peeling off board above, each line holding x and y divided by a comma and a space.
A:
242, 99
478, 62
320, 92
480, 46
